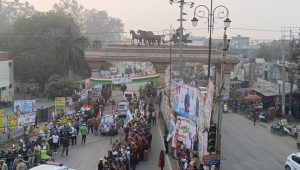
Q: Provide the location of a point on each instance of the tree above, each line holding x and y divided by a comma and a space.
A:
102, 26
32, 40
10, 11
59, 87
271, 51
70, 50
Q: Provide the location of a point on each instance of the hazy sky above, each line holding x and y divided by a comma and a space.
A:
158, 15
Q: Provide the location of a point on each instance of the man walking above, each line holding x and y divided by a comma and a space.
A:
254, 116
84, 132
55, 140
65, 144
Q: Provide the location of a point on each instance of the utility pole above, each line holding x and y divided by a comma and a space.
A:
180, 39
283, 73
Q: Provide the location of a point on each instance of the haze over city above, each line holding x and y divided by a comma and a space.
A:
254, 18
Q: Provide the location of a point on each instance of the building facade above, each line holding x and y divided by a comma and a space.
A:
6, 76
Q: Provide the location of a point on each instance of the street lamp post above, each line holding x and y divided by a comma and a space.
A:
182, 3
202, 11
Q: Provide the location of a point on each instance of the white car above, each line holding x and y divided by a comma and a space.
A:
293, 162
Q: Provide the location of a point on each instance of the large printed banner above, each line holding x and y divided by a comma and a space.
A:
184, 101
2, 122
25, 112
208, 105
97, 90
60, 105
24, 106
185, 132
202, 139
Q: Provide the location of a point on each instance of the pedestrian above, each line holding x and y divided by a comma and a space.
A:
161, 160
31, 157
166, 142
73, 136
254, 116
154, 117
133, 161
65, 144
100, 164
3, 165
84, 132
22, 165
55, 140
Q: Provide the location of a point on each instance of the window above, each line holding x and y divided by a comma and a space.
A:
3, 88
10, 64
296, 159
10, 86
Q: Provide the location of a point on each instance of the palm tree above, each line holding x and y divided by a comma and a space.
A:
70, 51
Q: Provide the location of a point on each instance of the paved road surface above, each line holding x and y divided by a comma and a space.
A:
86, 156
248, 147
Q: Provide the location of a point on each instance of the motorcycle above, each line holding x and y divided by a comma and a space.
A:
262, 117
225, 108
277, 128
292, 131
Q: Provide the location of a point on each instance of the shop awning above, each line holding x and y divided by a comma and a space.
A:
264, 92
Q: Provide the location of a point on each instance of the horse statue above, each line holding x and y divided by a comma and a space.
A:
185, 39
135, 36
147, 36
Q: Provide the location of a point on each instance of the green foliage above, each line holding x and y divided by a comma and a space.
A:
32, 40
10, 11
269, 51
58, 87
92, 21
70, 50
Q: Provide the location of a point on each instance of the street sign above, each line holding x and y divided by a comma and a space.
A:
214, 162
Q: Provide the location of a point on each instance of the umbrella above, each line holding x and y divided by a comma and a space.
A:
252, 97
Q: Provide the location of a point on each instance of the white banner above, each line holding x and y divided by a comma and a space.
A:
121, 80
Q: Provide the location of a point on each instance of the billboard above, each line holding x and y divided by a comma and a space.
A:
185, 132
2, 122
184, 101
25, 112
60, 105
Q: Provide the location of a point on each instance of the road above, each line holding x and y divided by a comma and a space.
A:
248, 147
86, 156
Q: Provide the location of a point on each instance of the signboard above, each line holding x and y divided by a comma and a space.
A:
25, 112
207, 159
185, 132
2, 122
97, 90
60, 105
70, 107
121, 80
185, 101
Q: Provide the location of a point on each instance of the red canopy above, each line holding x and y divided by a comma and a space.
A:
252, 97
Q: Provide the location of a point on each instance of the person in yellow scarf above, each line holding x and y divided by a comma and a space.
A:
37, 131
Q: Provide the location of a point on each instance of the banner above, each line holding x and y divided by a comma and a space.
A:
24, 106
60, 105
184, 101
185, 132
171, 129
121, 80
70, 107
97, 90
2, 122
208, 105
25, 112
13, 122
27, 118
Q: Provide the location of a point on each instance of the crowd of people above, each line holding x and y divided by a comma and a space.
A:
135, 146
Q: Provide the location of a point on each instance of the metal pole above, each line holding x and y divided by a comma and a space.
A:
180, 39
283, 81
210, 22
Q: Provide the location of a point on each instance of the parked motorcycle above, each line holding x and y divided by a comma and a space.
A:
283, 130
277, 128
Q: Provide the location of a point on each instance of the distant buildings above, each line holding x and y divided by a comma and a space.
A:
6, 76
